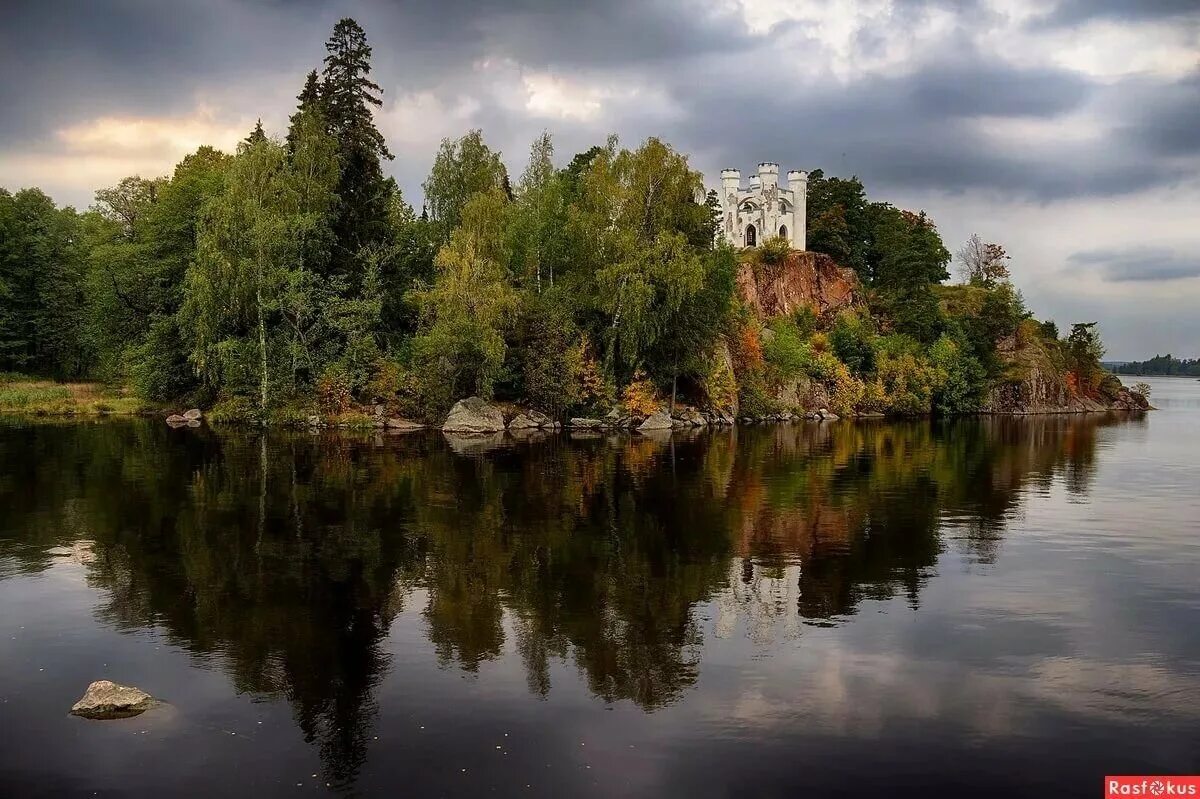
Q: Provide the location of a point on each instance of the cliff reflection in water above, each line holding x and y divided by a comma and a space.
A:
286, 558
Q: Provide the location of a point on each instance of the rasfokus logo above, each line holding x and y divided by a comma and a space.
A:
1151, 786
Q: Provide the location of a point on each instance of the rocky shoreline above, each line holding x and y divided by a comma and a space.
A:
477, 417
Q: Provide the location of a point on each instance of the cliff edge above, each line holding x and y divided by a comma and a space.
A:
801, 279
1034, 383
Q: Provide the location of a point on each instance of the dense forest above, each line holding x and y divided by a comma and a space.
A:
292, 277
1165, 365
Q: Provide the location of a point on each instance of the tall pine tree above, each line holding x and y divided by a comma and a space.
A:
347, 97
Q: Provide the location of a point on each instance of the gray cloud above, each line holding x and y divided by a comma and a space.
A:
949, 122
1138, 264
918, 128
1072, 12
1166, 119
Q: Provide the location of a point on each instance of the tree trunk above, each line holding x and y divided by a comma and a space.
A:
262, 347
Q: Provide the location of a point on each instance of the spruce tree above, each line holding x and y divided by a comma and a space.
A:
347, 96
309, 99
257, 135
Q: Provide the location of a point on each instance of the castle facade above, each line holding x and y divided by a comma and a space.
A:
764, 209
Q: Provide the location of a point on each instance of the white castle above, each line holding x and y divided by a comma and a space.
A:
764, 210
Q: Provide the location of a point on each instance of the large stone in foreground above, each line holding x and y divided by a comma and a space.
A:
659, 420
473, 416
107, 700
523, 422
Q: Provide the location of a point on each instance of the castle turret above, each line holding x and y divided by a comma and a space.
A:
768, 174
731, 181
798, 184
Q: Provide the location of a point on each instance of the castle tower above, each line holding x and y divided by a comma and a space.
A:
798, 184
768, 174
731, 181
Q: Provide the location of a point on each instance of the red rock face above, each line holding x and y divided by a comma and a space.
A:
803, 279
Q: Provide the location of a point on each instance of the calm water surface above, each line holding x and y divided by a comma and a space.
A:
1006, 607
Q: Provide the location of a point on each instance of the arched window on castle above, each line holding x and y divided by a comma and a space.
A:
750, 237
783, 231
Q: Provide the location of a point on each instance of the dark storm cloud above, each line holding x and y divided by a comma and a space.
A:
929, 130
735, 96
1166, 122
1138, 264
968, 89
62, 61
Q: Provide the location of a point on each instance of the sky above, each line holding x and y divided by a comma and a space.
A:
1067, 131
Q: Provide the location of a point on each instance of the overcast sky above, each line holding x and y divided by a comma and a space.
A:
1070, 133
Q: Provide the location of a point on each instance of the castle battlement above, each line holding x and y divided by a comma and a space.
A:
764, 209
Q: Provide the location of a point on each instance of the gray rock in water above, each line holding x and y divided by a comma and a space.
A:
579, 423
659, 420
403, 425
473, 416
539, 418
193, 415
175, 420
107, 700
522, 422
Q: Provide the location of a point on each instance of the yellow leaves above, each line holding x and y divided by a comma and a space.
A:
640, 397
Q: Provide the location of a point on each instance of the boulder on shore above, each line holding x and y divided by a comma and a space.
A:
193, 415
579, 423
107, 700
473, 416
659, 420
539, 418
523, 422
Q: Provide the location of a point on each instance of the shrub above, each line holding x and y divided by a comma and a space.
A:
775, 250
549, 354
806, 321
640, 398
233, 409
874, 397
159, 368
595, 391
958, 377
1141, 389
334, 394
846, 391
753, 397
719, 385
786, 352
853, 342
907, 382
386, 381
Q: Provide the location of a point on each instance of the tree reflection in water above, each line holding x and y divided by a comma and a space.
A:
285, 558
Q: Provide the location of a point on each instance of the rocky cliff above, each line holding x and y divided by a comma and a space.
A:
1033, 383
802, 279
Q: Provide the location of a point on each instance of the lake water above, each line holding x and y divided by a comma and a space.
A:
997, 607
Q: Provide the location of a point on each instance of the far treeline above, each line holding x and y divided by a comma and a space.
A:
1164, 365
293, 278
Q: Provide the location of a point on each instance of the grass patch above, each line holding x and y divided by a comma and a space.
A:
22, 394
